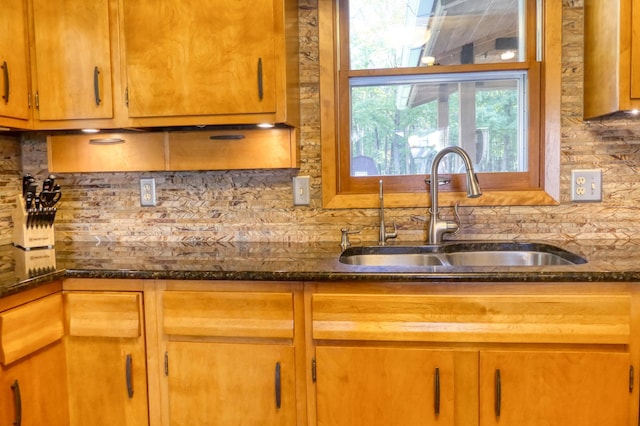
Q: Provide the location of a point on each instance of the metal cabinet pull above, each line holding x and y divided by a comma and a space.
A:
278, 386
260, 88
17, 403
106, 141
436, 392
5, 75
226, 137
631, 378
129, 376
96, 85
498, 395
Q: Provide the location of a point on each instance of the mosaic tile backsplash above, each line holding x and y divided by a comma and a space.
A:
257, 205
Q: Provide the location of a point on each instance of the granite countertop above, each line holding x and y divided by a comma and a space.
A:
608, 261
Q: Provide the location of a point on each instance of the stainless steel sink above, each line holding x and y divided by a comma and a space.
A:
461, 254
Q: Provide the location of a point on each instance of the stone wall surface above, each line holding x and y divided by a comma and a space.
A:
257, 205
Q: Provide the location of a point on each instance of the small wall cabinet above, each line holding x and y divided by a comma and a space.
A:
14, 65
611, 56
223, 62
72, 64
176, 150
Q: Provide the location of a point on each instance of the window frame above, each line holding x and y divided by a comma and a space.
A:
541, 187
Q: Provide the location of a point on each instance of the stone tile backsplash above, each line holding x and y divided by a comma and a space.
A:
257, 205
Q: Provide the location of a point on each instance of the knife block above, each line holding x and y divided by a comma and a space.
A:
33, 236
33, 263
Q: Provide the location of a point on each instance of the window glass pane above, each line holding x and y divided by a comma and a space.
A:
399, 123
411, 33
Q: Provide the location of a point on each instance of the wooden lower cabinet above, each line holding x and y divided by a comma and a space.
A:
467, 357
233, 354
229, 384
554, 388
384, 386
106, 359
33, 390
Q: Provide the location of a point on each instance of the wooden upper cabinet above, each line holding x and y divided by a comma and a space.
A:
611, 56
72, 60
222, 62
14, 75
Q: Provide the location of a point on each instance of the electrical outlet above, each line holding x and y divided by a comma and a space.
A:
586, 185
147, 192
301, 196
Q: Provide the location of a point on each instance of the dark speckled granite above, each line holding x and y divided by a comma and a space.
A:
607, 261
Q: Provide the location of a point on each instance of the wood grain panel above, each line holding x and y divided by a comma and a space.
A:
234, 149
560, 388
228, 314
465, 318
30, 327
103, 314
105, 152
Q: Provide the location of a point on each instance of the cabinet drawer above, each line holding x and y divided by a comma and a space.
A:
109, 152
103, 314
597, 319
30, 327
232, 149
228, 314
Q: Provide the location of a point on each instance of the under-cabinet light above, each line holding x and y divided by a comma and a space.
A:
266, 125
90, 130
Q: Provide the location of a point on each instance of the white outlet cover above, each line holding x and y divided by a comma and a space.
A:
147, 192
301, 188
586, 185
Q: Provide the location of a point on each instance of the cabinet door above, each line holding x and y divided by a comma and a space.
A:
33, 390
231, 384
384, 386
203, 58
635, 49
106, 359
554, 388
73, 59
14, 85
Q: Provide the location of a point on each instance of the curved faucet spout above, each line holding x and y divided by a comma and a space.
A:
438, 227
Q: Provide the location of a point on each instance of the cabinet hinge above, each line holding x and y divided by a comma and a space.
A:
313, 370
166, 364
631, 378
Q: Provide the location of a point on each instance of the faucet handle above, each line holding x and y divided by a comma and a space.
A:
394, 234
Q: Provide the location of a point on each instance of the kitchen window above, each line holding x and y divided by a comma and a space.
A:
402, 79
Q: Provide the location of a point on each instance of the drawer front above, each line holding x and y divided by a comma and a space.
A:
233, 149
473, 318
103, 314
109, 152
228, 314
27, 328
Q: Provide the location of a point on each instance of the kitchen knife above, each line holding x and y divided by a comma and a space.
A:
27, 180
48, 183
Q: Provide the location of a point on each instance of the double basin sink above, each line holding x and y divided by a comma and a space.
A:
461, 254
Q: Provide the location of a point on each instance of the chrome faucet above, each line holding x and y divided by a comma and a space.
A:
438, 227
384, 235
